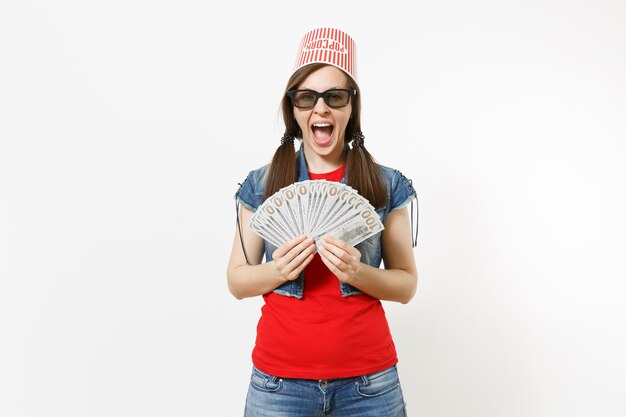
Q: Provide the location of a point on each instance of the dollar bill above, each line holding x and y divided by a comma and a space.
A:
316, 209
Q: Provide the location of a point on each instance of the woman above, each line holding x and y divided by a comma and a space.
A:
323, 343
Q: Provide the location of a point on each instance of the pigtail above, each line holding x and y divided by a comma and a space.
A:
283, 170
364, 174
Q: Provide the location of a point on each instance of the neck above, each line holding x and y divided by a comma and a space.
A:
324, 163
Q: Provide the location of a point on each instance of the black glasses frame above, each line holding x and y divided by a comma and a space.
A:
325, 95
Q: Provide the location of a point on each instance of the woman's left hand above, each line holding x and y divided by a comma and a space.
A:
343, 260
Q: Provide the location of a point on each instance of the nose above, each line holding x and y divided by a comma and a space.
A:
320, 106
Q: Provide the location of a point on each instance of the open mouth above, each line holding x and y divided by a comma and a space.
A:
322, 133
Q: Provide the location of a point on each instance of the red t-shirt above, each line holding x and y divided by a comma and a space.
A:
323, 335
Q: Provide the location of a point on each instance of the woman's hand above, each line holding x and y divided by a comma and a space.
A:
343, 259
293, 256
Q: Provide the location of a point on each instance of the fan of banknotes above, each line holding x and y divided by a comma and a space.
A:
316, 208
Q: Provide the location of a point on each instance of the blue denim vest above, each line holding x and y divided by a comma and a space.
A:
400, 192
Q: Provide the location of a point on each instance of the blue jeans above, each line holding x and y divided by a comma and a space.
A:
373, 395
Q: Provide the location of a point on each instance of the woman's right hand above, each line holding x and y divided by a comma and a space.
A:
293, 256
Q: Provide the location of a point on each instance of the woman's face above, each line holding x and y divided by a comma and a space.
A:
323, 128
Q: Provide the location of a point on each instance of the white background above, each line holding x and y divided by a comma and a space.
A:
125, 127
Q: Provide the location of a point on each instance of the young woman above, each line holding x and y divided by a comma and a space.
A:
323, 343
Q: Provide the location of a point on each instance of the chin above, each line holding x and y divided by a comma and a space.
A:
324, 149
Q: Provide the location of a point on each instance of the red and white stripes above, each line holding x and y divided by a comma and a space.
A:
330, 46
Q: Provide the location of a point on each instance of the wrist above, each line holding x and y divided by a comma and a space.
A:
278, 276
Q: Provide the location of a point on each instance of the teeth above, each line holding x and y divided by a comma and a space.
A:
322, 125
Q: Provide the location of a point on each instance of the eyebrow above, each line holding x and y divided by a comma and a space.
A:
331, 88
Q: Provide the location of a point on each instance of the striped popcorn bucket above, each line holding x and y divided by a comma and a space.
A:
329, 46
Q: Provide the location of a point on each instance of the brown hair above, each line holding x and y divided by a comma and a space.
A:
364, 174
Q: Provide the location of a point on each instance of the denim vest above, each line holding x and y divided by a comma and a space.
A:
400, 192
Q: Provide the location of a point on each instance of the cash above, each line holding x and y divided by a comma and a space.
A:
316, 208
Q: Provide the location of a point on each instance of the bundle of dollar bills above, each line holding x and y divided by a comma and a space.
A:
316, 209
